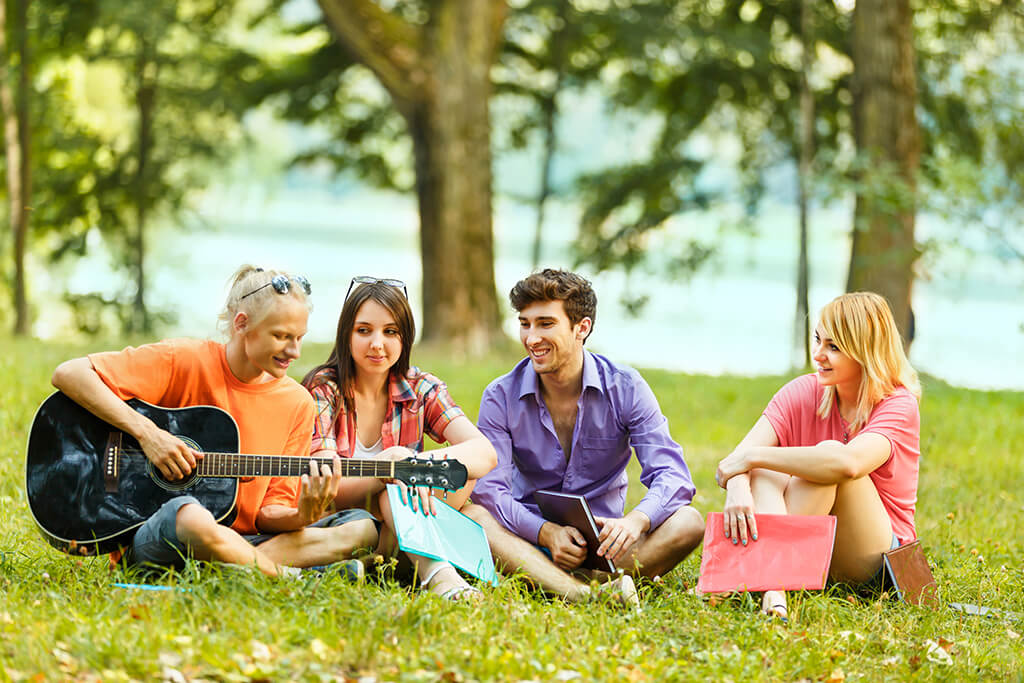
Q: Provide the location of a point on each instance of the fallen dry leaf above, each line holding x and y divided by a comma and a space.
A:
936, 654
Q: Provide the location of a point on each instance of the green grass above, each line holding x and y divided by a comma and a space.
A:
62, 618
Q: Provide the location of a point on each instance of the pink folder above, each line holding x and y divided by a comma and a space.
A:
792, 552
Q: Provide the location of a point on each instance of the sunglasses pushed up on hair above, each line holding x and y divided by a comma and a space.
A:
282, 284
367, 280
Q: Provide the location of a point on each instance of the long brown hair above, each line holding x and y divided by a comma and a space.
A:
340, 361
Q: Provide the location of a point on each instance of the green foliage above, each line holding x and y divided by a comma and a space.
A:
718, 70
972, 94
131, 105
180, 102
64, 619
357, 126
733, 69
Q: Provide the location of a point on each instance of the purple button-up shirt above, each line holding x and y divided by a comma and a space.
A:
616, 411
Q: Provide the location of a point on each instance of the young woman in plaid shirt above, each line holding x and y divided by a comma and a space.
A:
372, 403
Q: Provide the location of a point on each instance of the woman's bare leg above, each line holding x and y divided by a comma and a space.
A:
769, 491
863, 529
439, 577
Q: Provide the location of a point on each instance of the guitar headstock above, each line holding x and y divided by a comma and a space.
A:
449, 475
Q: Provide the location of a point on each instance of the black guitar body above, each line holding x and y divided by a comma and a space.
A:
64, 474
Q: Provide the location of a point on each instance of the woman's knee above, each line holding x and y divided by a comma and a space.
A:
768, 479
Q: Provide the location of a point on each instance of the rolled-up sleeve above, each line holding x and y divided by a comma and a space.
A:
494, 490
439, 409
663, 470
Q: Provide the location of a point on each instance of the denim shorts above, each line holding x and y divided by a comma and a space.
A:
879, 579
156, 542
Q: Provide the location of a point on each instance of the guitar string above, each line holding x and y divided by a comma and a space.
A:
224, 462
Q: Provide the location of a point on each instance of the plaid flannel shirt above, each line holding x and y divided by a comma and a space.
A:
418, 403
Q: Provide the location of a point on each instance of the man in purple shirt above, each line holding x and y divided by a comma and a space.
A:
565, 419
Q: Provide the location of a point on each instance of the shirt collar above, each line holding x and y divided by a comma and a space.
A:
400, 389
591, 378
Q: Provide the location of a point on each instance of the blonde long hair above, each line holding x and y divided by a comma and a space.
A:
862, 326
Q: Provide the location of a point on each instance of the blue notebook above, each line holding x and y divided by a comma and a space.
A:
450, 536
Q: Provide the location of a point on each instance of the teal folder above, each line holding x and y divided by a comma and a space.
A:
450, 536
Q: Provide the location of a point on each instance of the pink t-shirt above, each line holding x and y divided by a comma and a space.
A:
793, 414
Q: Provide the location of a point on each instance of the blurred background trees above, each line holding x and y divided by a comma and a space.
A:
118, 115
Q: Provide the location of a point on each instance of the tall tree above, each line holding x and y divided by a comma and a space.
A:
14, 104
542, 39
885, 122
731, 68
172, 58
801, 320
434, 60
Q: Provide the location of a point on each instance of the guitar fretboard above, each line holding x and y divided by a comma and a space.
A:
242, 465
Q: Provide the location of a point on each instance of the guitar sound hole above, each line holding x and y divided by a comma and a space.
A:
175, 484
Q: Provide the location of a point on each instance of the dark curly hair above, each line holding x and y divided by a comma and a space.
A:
574, 291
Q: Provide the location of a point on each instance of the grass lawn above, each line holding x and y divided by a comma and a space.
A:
62, 618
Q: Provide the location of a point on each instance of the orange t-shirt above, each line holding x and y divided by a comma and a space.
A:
274, 418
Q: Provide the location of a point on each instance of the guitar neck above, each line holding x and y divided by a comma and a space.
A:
243, 465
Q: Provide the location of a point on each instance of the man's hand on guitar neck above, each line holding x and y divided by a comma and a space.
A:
172, 456
317, 490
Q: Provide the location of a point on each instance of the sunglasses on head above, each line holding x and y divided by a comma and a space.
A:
282, 284
367, 280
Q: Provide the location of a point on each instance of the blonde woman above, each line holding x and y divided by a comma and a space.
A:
844, 441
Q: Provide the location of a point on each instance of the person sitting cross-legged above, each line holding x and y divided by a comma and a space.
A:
565, 419
281, 523
373, 403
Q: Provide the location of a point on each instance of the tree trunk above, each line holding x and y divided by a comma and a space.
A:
145, 102
885, 95
549, 113
801, 321
438, 75
17, 147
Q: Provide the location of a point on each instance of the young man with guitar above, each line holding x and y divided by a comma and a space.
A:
265, 317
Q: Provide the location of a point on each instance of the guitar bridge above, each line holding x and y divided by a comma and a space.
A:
111, 458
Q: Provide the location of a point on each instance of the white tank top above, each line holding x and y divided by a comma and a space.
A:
368, 451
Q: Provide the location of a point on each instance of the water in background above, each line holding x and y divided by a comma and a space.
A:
735, 316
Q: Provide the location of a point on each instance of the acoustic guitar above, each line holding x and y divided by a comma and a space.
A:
90, 486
